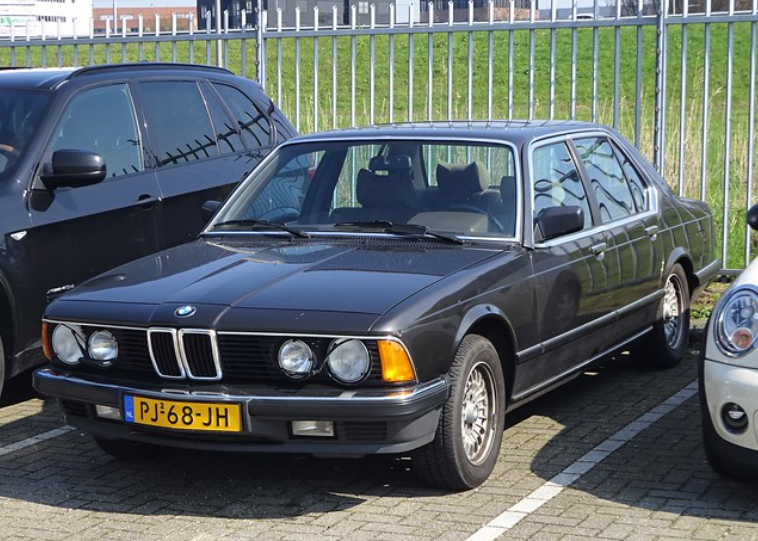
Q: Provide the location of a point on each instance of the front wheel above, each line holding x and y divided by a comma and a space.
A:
467, 442
665, 344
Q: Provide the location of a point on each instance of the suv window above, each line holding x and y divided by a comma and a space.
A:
556, 181
227, 133
20, 114
256, 130
614, 198
178, 123
101, 120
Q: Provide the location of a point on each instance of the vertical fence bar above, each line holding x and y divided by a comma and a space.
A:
124, 30
225, 39
727, 137
490, 57
572, 105
553, 15
391, 68
450, 61
74, 35
315, 71
530, 91
44, 47
470, 67
243, 48
410, 64
683, 99
638, 78
595, 54
13, 49
59, 48
353, 17
372, 64
29, 49
173, 34
334, 67
430, 74
107, 44
208, 41
191, 32
750, 128
157, 34
663, 70
279, 56
297, 68
91, 41
510, 58
616, 65
706, 95
140, 44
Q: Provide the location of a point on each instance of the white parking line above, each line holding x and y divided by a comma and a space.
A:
515, 514
28, 442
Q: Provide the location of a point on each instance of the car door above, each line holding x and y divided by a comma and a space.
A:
200, 150
631, 225
78, 232
570, 276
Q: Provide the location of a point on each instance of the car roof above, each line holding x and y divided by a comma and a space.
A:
518, 132
52, 78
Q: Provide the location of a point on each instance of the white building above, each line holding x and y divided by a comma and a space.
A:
49, 17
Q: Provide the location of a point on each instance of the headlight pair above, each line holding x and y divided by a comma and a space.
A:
70, 345
736, 322
347, 359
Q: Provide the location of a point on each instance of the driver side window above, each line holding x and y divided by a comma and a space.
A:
101, 120
556, 181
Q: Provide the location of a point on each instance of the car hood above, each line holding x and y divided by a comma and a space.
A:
346, 276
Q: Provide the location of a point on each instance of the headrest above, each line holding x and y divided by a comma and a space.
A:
508, 188
395, 162
461, 181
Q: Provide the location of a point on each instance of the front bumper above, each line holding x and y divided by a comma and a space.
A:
366, 421
725, 384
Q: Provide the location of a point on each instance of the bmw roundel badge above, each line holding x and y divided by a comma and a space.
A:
185, 311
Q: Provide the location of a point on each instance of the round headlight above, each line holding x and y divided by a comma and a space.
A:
296, 359
68, 344
736, 326
102, 347
348, 360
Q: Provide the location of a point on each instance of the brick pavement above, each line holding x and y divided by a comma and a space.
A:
657, 487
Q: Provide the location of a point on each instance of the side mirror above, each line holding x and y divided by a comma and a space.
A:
752, 217
556, 221
74, 168
208, 209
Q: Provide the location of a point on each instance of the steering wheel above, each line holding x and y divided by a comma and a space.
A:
472, 208
10, 153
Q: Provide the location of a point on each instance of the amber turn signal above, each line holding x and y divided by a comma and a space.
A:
46, 349
396, 365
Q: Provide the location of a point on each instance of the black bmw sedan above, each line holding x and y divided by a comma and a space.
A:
386, 290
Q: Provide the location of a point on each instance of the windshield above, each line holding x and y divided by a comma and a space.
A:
20, 114
459, 189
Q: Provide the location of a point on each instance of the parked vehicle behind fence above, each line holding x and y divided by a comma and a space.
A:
387, 290
104, 164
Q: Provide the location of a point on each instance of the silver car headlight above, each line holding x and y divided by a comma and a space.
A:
348, 360
296, 359
68, 344
736, 327
102, 347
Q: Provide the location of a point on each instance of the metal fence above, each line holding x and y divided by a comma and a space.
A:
677, 81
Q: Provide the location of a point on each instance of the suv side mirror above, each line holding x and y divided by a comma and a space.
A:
74, 168
556, 221
208, 209
752, 217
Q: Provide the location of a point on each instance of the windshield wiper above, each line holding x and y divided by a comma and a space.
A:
403, 229
263, 223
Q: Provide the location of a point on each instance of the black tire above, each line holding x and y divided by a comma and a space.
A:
128, 451
467, 442
3, 362
664, 346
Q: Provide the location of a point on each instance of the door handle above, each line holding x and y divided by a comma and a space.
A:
146, 201
651, 231
598, 250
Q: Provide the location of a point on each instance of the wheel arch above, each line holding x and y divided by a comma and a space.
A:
491, 323
680, 256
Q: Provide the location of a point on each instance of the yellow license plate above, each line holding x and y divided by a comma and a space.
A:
207, 416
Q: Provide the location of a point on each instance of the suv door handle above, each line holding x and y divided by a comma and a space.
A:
146, 201
598, 250
651, 231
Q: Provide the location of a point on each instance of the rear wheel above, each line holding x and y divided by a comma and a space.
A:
127, 450
467, 442
3, 362
665, 344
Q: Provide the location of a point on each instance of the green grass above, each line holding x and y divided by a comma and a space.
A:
315, 108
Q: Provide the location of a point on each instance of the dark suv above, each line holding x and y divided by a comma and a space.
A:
104, 164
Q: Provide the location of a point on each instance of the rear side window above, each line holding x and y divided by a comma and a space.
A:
178, 123
614, 198
227, 133
255, 127
101, 120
